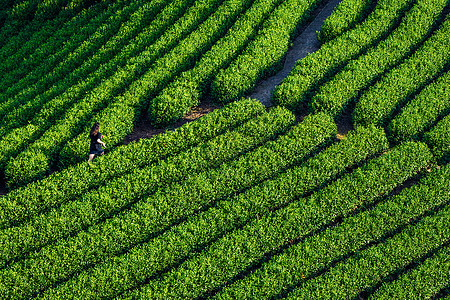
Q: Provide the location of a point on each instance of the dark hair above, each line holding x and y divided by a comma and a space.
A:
94, 129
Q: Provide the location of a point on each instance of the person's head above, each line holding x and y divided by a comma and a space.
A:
94, 129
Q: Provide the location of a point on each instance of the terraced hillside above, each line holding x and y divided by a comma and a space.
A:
248, 201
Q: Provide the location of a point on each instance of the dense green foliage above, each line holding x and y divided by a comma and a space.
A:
49, 70
61, 187
347, 199
345, 16
337, 93
120, 111
264, 54
421, 113
188, 89
295, 90
236, 251
47, 107
118, 119
423, 282
438, 139
163, 208
316, 253
381, 100
116, 194
395, 253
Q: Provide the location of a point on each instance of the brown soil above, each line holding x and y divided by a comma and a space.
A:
145, 130
305, 43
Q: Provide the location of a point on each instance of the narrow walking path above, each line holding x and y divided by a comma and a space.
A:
303, 44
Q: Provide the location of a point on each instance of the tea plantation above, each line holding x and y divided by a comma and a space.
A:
246, 202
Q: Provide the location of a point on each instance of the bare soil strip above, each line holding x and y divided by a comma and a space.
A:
303, 44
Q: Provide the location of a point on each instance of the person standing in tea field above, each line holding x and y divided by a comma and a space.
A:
95, 148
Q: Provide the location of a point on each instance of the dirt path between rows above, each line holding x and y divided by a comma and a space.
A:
303, 44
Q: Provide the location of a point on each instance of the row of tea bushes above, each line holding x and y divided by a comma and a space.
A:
368, 267
214, 185
188, 89
85, 42
295, 90
51, 99
344, 17
237, 251
119, 52
122, 192
162, 209
134, 58
360, 73
24, 11
118, 119
14, 32
229, 214
438, 139
380, 102
424, 281
21, 57
302, 261
133, 91
60, 187
421, 113
264, 55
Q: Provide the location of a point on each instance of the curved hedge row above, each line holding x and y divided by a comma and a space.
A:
118, 119
358, 74
57, 82
187, 90
123, 46
228, 215
18, 22
305, 259
438, 139
16, 141
61, 187
49, 46
237, 251
80, 116
113, 196
345, 16
11, 31
424, 282
47, 9
16, 55
10, 40
263, 56
159, 211
368, 267
84, 43
295, 90
214, 185
52, 110
379, 103
25, 41
38, 10
421, 112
